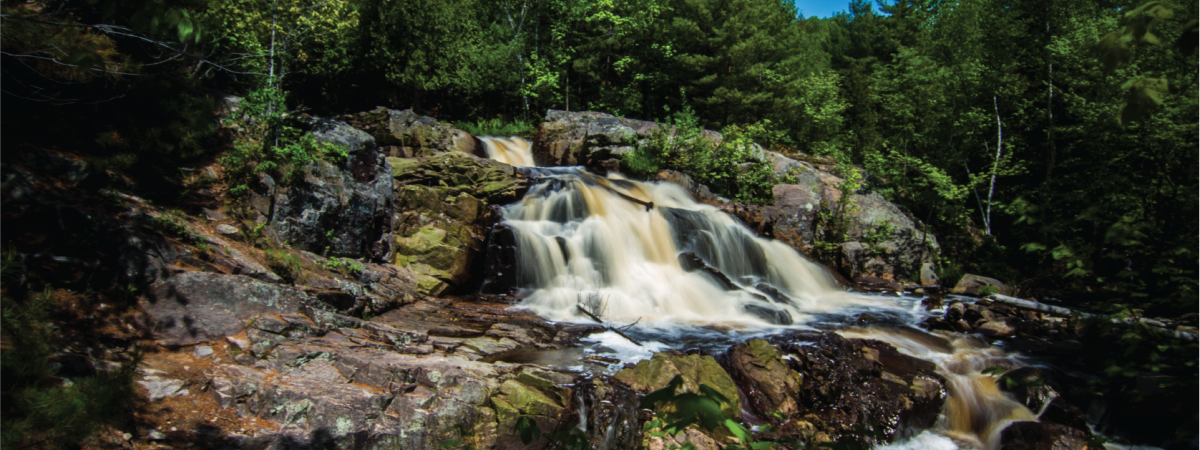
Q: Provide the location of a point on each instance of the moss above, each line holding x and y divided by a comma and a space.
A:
655, 373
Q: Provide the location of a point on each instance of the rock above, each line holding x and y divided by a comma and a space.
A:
211, 215
970, 285
792, 219
159, 388
443, 218
955, 311
155, 435
1042, 436
193, 307
500, 269
345, 208
1064, 413
409, 135
692, 262
770, 385
1027, 385
997, 329
977, 314
653, 374
226, 229
582, 138
202, 351
241, 343
877, 284
848, 383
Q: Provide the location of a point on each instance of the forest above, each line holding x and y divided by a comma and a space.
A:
1050, 144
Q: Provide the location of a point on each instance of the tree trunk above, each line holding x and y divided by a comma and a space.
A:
996, 165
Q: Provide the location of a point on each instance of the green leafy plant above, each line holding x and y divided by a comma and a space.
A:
344, 265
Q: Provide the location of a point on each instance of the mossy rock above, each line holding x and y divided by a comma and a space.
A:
461, 173
653, 374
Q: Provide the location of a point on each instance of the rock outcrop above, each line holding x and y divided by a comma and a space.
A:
340, 210
883, 242
442, 215
409, 135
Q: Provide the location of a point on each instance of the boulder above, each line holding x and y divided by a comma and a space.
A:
195, 307
334, 209
1062, 412
971, 284
849, 383
1042, 436
583, 138
654, 374
442, 216
409, 135
758, 369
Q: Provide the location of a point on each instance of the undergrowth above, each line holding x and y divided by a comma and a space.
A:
498, 127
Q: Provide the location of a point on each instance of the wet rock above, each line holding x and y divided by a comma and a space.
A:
769, 314
877, 284
757, 368
340, 210
1062, 412
1028, 386
653, 374
955, 311
977, 314
848, 383
195, 307
971, 284
1042, 436
500, 269
692, 262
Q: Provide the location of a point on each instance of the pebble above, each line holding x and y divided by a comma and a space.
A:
226, 229
202, 351
156, 435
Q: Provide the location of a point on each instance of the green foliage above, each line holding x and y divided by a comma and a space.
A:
699, 408
988, 290
949, 274
42, 410
498, 127
269, 142
882, 231
733, 167
344, 265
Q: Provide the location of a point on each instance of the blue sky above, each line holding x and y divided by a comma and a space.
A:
821, 8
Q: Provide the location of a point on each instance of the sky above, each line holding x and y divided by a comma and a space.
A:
821, 8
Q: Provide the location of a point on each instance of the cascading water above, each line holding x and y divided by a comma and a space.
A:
513, 151
630, 251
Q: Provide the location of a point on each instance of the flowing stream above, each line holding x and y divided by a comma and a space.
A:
691, 276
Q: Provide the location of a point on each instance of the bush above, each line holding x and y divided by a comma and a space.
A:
286, 265
733, 168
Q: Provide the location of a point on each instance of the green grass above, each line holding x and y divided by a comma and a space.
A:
497, 127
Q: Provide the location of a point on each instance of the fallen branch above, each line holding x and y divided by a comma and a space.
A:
1065, 312
610, 328
648, 205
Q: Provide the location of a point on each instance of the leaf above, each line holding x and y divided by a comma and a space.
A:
449, 443
662, 395
527, 428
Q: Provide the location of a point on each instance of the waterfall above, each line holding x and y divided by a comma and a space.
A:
644, 251
629, 250
514, 151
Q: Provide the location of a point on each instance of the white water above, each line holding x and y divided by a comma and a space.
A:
614, 245
514, 151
